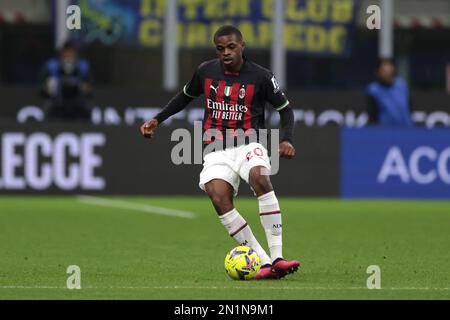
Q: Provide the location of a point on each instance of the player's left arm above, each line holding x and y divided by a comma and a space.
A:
286, 148
276, 97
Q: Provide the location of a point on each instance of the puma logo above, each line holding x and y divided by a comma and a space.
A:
215, 89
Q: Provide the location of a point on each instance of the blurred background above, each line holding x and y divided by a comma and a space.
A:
68, 124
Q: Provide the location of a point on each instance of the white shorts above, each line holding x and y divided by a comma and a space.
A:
232, 164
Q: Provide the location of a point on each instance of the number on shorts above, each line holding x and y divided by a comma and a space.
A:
257, 151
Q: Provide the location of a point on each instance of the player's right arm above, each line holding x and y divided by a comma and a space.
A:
190, 91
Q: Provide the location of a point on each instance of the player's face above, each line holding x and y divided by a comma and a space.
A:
69, 54
68, 58
386, 72
229, 49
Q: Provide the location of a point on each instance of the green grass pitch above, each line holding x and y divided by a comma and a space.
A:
129, 253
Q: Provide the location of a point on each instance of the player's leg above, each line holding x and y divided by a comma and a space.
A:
269, 210
270, 217
221, 183
221, 194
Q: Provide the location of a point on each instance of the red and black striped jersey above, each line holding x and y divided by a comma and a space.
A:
235, 100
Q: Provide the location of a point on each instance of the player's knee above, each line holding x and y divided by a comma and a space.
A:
261, 184
222, 203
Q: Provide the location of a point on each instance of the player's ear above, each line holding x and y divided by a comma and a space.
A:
243, 45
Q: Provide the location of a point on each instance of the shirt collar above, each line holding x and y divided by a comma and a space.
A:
229, 73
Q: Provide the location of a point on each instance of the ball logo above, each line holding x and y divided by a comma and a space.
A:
242, 93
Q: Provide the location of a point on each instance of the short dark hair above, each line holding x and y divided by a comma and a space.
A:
228, 30
69, 45
382, 61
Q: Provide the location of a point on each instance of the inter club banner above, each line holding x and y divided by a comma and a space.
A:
316, 27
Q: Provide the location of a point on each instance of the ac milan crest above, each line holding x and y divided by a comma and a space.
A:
242, 93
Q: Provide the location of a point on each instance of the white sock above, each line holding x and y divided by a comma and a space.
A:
270, 216
238, 229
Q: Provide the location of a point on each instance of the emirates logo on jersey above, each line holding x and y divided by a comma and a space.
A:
226, 106
242, 93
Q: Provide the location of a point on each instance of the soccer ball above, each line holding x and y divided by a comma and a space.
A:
242, 263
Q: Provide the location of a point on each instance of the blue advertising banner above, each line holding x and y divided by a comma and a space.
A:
317, 27
395, 163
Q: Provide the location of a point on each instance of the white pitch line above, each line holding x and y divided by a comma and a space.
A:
97, 201
29, 287
232, 287
279, 288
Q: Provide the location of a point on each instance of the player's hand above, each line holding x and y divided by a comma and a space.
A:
148, 128
286, 150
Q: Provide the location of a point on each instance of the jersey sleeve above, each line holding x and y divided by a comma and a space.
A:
194, 88
274, 95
